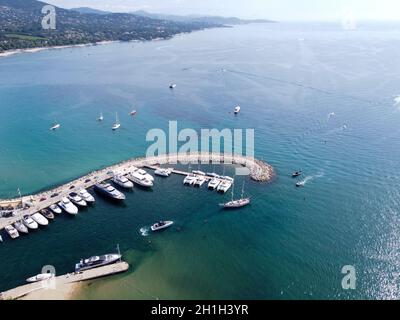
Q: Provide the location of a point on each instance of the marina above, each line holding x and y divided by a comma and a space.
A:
27, 208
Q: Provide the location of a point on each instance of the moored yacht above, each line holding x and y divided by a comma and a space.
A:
140, 180
86, 196
163, 172
12, 232
161, 225
108, 190
47, 214
76, 199
145, 174
224, 186
55, 208
190, 180
200, 181
198, 172
40, 219
97, 261
40, 277
30, 223
212, 174
214, 183
68, 206
122, 181
19, 225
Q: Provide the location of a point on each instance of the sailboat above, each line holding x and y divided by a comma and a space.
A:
101, 118
117, 125
239, 203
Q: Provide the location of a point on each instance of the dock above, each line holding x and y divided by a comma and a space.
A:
258, 171
64, 280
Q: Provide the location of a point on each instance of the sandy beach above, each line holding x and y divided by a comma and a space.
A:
65, 291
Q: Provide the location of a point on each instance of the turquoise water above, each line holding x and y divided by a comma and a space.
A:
289, 79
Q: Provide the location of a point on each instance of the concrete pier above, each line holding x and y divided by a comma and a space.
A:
59, 282
257, 170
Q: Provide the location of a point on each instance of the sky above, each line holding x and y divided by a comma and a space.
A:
282, 10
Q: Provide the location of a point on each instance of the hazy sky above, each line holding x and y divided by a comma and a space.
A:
272, 9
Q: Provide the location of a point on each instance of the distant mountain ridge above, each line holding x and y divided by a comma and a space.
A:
87, 10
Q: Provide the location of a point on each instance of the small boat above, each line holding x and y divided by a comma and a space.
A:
30, 223
40, 219
86, 196
47, 214
101, 118
97, 261
200, 181
40, 277
55, 127
109, 191
163, 172
140, 180
239, 203
190, 180
198, 172
214, 183
12, 232
1, 238
55, 208
161, 225
117, 124
296, 174
172, 86
19, 225
68, 206
76, 199
123, 182
237, 110
133, 113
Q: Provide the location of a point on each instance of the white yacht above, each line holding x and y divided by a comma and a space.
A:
237, 110
68, 206
190, 180
198, 172
19, 225
227, 178
145, 174
140, 179
122, 181
12, 232
117, 124
86, 196
200, 181
55, 127
214, 183
55, 208
77, 199
224, 186
40, 277
40, 219
108, 190
163, 172
30, 223
161, 225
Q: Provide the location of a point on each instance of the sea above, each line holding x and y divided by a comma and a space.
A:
320, 98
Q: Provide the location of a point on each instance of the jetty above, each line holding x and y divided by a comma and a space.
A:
258, 170
57, 283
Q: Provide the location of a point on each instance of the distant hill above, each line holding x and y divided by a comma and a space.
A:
86, 10
205, 19
20, 26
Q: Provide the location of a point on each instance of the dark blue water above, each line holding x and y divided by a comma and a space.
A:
321, 99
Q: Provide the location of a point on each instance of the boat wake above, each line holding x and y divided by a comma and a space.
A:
310, 178
144, 231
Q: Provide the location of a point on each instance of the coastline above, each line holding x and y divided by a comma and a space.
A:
65, 291
34, 50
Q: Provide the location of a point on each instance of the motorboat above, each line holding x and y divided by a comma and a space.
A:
133, 113
224, 186
40, 277
200, 181
123, 182
296, 174
300, 184
101, 118
108, 190
68, 206
198, 172
55, 208
77, 199
190, 180
86, 196
55, 127
227, 178
140, 180
163, 172
145, 174
117, 124
19, 225
12, 232
214, 183
30, 223
47, 214
42, 221
172, 86
97, 261
237, 110
161, 225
